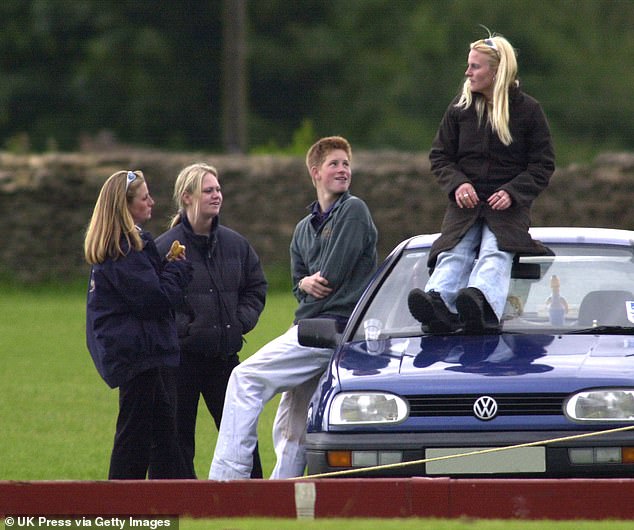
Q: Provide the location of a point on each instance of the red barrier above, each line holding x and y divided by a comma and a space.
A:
416, 497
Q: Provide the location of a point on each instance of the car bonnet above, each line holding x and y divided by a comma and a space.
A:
500, 362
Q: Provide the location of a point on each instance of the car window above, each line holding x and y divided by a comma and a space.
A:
389, 304
595, 285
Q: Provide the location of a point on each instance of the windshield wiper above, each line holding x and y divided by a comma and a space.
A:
604, 330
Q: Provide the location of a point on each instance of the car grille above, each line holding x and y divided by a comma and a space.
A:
508, 404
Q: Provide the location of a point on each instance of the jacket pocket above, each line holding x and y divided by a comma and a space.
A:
232, 334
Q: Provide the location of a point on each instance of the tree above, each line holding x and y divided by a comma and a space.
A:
234, 76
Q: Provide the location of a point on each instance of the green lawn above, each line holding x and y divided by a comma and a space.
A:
57, 414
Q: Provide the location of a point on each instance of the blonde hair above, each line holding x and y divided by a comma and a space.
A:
190, 181
502, 58
111, 219
320, 149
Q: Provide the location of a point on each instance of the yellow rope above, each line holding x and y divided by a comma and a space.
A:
461, 455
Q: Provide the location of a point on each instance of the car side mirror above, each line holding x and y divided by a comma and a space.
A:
318, 333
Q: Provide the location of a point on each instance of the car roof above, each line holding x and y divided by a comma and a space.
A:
554, 234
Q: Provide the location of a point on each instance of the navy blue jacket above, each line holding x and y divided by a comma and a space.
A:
227, 293
130, 325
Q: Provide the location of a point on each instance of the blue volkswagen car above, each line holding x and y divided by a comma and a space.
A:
551, 395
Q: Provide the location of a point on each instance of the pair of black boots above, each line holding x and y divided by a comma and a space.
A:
475, 314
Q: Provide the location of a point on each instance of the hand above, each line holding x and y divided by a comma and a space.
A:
500, 200
466, 196
315, 285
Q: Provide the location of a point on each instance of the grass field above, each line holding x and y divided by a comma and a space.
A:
57, 416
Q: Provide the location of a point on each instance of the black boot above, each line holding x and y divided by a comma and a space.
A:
431, 311
476, 313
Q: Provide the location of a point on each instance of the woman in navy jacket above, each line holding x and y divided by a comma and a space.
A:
130, 326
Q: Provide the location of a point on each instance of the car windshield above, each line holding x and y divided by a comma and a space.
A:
592, 287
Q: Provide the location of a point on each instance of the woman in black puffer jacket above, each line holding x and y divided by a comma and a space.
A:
223, 302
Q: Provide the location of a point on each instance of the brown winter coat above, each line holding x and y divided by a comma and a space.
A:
464, 151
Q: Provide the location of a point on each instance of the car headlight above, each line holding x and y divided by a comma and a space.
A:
358, 408
609, 404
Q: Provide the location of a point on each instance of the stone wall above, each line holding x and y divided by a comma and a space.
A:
46, 200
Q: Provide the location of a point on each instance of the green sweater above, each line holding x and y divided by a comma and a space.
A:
343, 249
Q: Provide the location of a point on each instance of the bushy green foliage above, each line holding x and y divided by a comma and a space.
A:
302, 139
377, 71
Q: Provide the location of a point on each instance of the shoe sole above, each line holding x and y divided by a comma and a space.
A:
420, 308
423, 311
471, 314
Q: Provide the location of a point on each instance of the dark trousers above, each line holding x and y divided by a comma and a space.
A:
145, 441
207, 376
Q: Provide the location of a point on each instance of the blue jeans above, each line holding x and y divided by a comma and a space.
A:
457, 268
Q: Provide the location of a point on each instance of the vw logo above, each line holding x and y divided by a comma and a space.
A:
485, 408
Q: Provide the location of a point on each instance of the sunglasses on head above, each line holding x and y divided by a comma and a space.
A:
490, 43
130, 178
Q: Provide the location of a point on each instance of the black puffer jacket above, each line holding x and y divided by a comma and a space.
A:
227, 294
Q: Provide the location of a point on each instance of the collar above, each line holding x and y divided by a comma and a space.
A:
318, 218
314, 207
188, 226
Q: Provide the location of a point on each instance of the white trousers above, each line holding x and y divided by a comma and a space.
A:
282, 365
